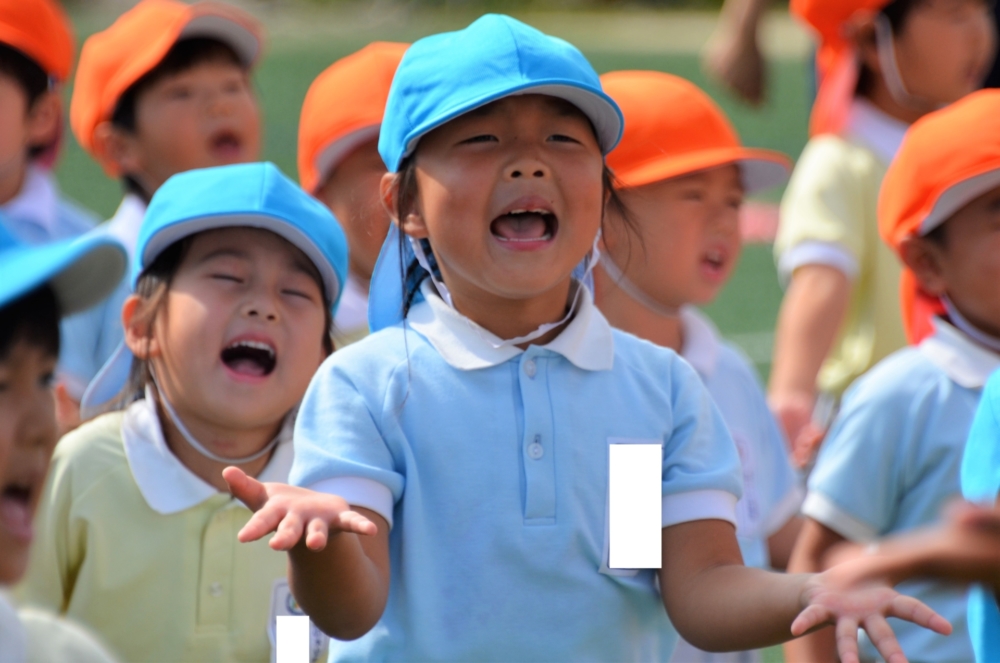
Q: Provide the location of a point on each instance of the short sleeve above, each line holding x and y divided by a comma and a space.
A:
826, 201
338, 437
981, 460
54, 639
701, 466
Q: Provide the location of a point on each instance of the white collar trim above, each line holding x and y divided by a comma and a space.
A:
881, 133
700, 341
967, 363
587, 340
37, 202
167, 485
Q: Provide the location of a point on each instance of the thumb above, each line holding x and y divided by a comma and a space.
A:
245, 488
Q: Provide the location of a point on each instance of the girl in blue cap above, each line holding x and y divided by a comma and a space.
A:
450, 497
38, 286
236, 276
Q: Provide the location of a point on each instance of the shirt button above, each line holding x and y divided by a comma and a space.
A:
215, 589
530, 368
535, 449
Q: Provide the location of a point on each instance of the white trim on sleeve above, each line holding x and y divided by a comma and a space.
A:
359, 491
822, 509
699, 505
831, 254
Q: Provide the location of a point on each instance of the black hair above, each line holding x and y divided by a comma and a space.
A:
32, 79
182, 56
32, 318
896, 12
939, 235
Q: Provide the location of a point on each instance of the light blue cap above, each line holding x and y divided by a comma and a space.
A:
81, 271
251, 195
446, 75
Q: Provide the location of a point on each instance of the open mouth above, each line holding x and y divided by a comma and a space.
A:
525, 226
250, 358
226, 145
715, 259
15, 509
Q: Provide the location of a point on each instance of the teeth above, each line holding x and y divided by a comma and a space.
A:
529, 211
256, 345
543, 238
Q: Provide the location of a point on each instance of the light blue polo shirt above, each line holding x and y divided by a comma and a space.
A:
491, 465
981, 484
891, 462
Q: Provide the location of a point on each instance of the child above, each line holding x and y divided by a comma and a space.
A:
882, 66
339, 164
165, 89
465, 445
683, 175
237, 273
38, 285
892, 458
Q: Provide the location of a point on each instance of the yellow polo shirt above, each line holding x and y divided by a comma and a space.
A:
829, 216
142, 551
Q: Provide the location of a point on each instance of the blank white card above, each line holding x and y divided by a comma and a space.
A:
635, 504
293, 639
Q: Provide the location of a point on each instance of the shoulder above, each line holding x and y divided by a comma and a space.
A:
836, 152
901, 377
51, 638
91, 451
636, 354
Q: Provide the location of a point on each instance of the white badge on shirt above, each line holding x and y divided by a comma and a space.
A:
284, 604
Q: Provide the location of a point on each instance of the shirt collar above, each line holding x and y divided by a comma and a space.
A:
124, 225
37, 203
701, 342
967, 363
881, 133
587, 340
164, 481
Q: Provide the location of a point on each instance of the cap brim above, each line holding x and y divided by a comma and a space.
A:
958, 196
207, 22
81, 271
337, 150
761, 169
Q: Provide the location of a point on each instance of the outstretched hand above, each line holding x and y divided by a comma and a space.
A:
293, 513
840, 597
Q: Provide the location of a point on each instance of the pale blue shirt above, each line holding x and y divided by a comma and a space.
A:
491, 466
891, 462
981, 484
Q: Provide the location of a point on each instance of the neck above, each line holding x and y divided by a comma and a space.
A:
882, 99
362, 276
625, 313
11, 182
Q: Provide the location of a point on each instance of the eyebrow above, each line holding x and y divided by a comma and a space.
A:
224, 253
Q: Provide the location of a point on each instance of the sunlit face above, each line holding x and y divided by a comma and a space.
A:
510, 196
945, 48
690, 236
201, 117
22, 127
242, 330
352, 194
28, 436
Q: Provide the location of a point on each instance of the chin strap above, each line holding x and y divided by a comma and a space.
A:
636, 293
957, 319
885, 46
195, 444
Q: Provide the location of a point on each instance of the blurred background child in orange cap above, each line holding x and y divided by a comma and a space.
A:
893, 455
166, 88
882, 65
682, 176
339, 163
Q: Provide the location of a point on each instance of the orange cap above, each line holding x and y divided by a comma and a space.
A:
113, 60
329, 127
837, 58
40, 30
948, 159
673, 128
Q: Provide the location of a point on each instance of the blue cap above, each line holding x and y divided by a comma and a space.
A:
81, 271
250, 195
449, 74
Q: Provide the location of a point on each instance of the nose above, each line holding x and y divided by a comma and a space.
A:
527, 167
260, 306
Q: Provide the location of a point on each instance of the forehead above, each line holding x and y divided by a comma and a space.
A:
527, 103
247, 244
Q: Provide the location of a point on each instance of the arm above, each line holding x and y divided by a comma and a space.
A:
338, 558
812, 313
781, 543
733, 56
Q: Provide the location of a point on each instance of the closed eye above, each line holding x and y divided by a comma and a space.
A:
227, 277
298, 293
562, 138
484, 138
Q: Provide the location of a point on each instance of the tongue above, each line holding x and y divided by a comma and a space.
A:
246, 367
15, 517
520, 226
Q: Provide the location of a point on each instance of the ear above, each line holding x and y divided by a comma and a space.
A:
139, 336
43, 119
924, 259
118, 146
413, 223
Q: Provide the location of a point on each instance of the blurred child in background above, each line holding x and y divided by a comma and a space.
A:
38, 285
683, 175
891, 461
165, 89
339, 163
237, 273
882, 65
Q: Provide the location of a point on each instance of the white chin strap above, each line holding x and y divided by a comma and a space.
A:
588, 266
885, 45
636, 293
195, 444
972, 332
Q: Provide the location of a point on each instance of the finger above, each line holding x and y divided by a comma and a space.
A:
352, 521
316, 534
261, 523
289, 532
847, 640
881, 635
809, 618
244, 488
912, 610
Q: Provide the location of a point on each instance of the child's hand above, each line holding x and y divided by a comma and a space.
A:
291, 512
839, 597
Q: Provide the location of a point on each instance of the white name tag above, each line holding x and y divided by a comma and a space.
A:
635, 504
283, 604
